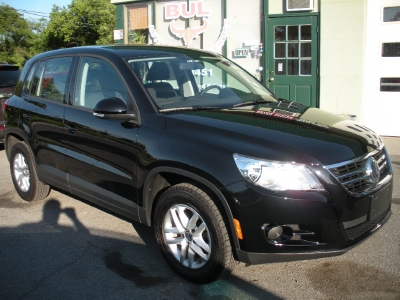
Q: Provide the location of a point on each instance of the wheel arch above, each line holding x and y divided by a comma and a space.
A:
10, 140
156, 182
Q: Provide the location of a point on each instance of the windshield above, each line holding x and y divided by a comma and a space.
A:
181, 81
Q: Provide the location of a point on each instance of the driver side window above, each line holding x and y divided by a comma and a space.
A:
97, 80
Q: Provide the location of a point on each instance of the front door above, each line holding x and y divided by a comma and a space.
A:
292, 56
100, 154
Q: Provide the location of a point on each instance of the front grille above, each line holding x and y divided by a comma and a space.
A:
353, 174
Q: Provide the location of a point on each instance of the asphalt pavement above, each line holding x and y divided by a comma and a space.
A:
66, 248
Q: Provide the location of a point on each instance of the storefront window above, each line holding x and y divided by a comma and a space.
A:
137, 16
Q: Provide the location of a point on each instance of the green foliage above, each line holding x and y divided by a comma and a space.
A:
84, 22
138, 36
37, 26
16, 36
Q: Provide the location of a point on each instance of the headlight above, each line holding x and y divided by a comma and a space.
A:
277, 176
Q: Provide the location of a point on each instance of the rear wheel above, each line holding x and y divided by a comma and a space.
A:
24, 176
192, 234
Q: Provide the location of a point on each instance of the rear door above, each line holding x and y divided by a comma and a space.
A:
45, 91
293, 58
100, 154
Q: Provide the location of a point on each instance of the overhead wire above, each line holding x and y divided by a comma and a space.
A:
35, 13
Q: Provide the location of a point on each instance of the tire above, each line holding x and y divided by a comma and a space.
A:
192, 235
24, 176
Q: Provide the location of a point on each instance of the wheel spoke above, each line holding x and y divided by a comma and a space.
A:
174, 240
199, 230
184, 252
192, 222
200, 242
182, 216
172, 230
191, 255
19, 180
177, 221
198, 251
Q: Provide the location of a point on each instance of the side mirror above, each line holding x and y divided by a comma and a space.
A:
112, 109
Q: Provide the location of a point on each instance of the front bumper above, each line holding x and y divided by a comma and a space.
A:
318, 224
262, 258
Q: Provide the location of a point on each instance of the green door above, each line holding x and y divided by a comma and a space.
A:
292, 54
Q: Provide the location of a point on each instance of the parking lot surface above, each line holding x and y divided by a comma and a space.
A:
66, 248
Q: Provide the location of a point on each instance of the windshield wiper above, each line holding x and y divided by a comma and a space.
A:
253, 102
192, 108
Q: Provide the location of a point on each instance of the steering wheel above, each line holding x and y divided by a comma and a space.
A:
214, 86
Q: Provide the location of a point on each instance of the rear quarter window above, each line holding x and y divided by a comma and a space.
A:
49, 79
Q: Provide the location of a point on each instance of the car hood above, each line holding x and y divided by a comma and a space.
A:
299, 133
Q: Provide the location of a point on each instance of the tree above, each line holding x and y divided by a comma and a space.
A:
38, 27
84, 22
16, 36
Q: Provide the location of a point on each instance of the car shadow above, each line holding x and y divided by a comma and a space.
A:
49, 259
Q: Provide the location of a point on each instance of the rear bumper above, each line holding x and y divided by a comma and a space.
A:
2, 132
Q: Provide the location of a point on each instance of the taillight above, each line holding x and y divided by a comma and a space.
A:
5, 105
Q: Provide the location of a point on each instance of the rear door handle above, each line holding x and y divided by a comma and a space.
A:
26, 116
71, 128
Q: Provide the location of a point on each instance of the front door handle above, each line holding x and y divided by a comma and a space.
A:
272, 79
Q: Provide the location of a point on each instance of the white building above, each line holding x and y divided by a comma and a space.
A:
341, 56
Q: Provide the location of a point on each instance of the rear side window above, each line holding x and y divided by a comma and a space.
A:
50, 79
55, 79
28, 81
37, 78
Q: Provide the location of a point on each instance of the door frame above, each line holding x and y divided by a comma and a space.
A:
265, 30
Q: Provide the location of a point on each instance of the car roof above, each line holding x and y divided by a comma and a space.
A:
139, 50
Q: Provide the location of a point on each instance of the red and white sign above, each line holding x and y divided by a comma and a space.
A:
175, 10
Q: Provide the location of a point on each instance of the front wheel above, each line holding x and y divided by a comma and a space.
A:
24, 176
192, 234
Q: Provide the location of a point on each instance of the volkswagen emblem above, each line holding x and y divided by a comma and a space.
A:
372, 171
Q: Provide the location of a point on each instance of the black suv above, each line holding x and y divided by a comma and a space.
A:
188, 142
8, 79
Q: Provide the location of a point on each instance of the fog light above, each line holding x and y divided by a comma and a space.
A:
278, 233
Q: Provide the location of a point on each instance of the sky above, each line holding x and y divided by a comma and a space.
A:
42, 7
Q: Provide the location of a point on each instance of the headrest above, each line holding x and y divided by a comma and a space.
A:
158, 71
